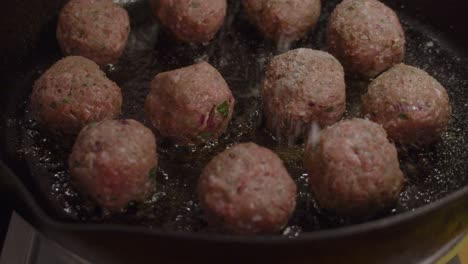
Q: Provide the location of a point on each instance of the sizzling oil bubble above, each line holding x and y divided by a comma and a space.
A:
292, 231
313, 136
283, 45
241, 55
125, 1
109, 68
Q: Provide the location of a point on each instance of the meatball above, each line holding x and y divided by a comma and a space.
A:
283, 20
246, 189
95, 29
114, 162
353, 168
191, 104
193, 21
365, 36
410, 104
302, 86
72, 93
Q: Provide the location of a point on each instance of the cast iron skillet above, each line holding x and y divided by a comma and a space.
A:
431, 210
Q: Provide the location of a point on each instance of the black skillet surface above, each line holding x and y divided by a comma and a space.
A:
240, 55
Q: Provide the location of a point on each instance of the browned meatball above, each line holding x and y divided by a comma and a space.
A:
353, 168
114, 162
193, 21
302, 86
190, 105
283, 20
95, 29
365, 36
72, 93
410, 104
246, 189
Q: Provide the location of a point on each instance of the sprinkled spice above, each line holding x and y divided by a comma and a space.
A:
75, 164
152, 173
223, 109
205, 135
403, 116
66, 100
53, 105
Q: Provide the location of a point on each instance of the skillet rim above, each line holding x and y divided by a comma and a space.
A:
320, 235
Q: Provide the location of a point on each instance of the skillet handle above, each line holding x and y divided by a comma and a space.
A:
15, 196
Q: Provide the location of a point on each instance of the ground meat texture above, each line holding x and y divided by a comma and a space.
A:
95, 29
365, 36
302, 86
246, 189
190, 105
193, 21
411, 105
283, 20
353, 168
72, 93
114, 162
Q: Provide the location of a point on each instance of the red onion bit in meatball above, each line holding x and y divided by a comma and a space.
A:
411, 105
190, 105
246, 189
72, 93
302, 86
353, 168
365, 36
114, 162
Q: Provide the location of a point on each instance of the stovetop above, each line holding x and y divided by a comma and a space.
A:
22, 244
